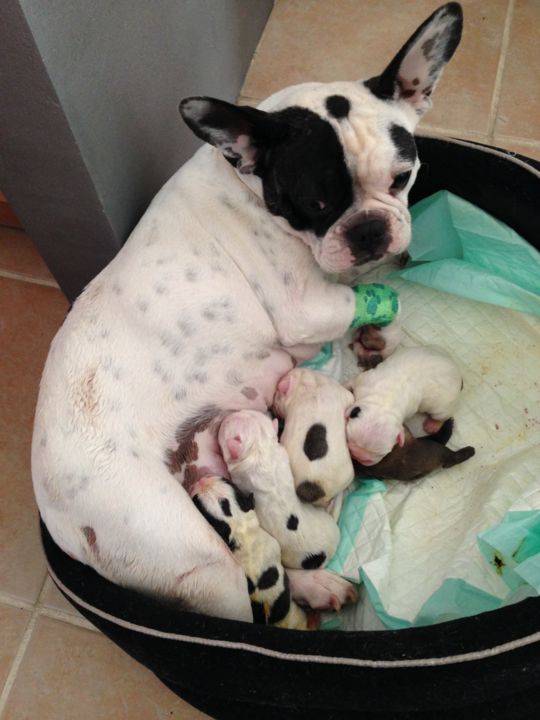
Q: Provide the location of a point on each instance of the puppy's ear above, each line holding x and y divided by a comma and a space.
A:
413, 74
235, 447
286, 385
239, 132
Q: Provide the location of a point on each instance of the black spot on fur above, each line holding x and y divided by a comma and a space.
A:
338, 106
315, 444
225, 505
259, 616
281, 607
269, 578
309, 491
245, 502
250, 585
404, 142
292, 522
220, 526
311, 562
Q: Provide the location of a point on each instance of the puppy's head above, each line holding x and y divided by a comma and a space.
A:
334, 162
247, 439
371, 436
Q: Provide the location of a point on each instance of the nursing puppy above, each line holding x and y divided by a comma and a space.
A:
313, 407
417, 456
420, 379
228, 279
259, 464
232, 515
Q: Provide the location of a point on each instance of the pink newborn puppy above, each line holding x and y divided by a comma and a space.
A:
421, 379
258, 464
314, 408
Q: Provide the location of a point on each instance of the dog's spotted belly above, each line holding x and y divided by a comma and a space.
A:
195, 452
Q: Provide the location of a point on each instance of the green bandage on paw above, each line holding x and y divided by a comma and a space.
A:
376, 304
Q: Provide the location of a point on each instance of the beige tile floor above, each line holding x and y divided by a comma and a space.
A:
53, 665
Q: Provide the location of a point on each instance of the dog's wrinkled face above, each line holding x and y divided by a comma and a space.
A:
334, 162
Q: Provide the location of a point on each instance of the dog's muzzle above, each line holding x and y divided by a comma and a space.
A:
367, 234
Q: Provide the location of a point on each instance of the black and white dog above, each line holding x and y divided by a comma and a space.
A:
228, 279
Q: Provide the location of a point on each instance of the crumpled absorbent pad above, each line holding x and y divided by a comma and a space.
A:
463, 540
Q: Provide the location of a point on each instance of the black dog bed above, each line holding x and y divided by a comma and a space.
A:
486, 666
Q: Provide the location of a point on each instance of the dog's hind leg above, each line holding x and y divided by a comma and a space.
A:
455, 457
443, 435
142, 530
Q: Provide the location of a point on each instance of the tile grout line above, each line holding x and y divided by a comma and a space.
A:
38, 610
500, 72
13, 602
68, 618
517, 139
259, 45
21, 650
9, 275
17, 661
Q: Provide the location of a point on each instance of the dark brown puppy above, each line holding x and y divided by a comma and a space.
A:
417, 457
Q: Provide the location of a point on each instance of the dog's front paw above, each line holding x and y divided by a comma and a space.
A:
321, 589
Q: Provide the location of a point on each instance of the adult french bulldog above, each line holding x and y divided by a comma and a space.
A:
227, 280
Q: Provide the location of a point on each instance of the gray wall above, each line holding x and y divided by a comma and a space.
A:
94, 86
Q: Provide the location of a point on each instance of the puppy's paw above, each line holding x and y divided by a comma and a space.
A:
431, 425
321, 589
368, 344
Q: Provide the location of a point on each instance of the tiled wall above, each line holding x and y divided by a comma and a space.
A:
490, 91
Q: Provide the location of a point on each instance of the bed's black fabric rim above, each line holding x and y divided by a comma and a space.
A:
472, 656
466, 640
528, 164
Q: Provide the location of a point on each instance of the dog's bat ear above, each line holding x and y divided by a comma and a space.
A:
240, 132
413, 74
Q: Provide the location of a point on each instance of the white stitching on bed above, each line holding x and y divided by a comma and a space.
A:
353, 662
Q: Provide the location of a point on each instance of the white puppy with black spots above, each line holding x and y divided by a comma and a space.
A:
228, 280
232, 515
314, 408
259, 464
412, 380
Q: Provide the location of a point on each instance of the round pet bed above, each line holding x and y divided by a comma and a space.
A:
484, 666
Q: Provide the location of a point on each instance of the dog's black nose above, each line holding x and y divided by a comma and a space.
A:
368, 239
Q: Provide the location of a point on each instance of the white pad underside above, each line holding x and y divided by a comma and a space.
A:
418, 534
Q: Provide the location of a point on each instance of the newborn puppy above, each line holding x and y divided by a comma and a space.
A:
421, 379
417, 456
258, 464
314, 407
233, 517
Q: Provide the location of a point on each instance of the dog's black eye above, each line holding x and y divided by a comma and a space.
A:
316, 206
400, 180
355, 412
